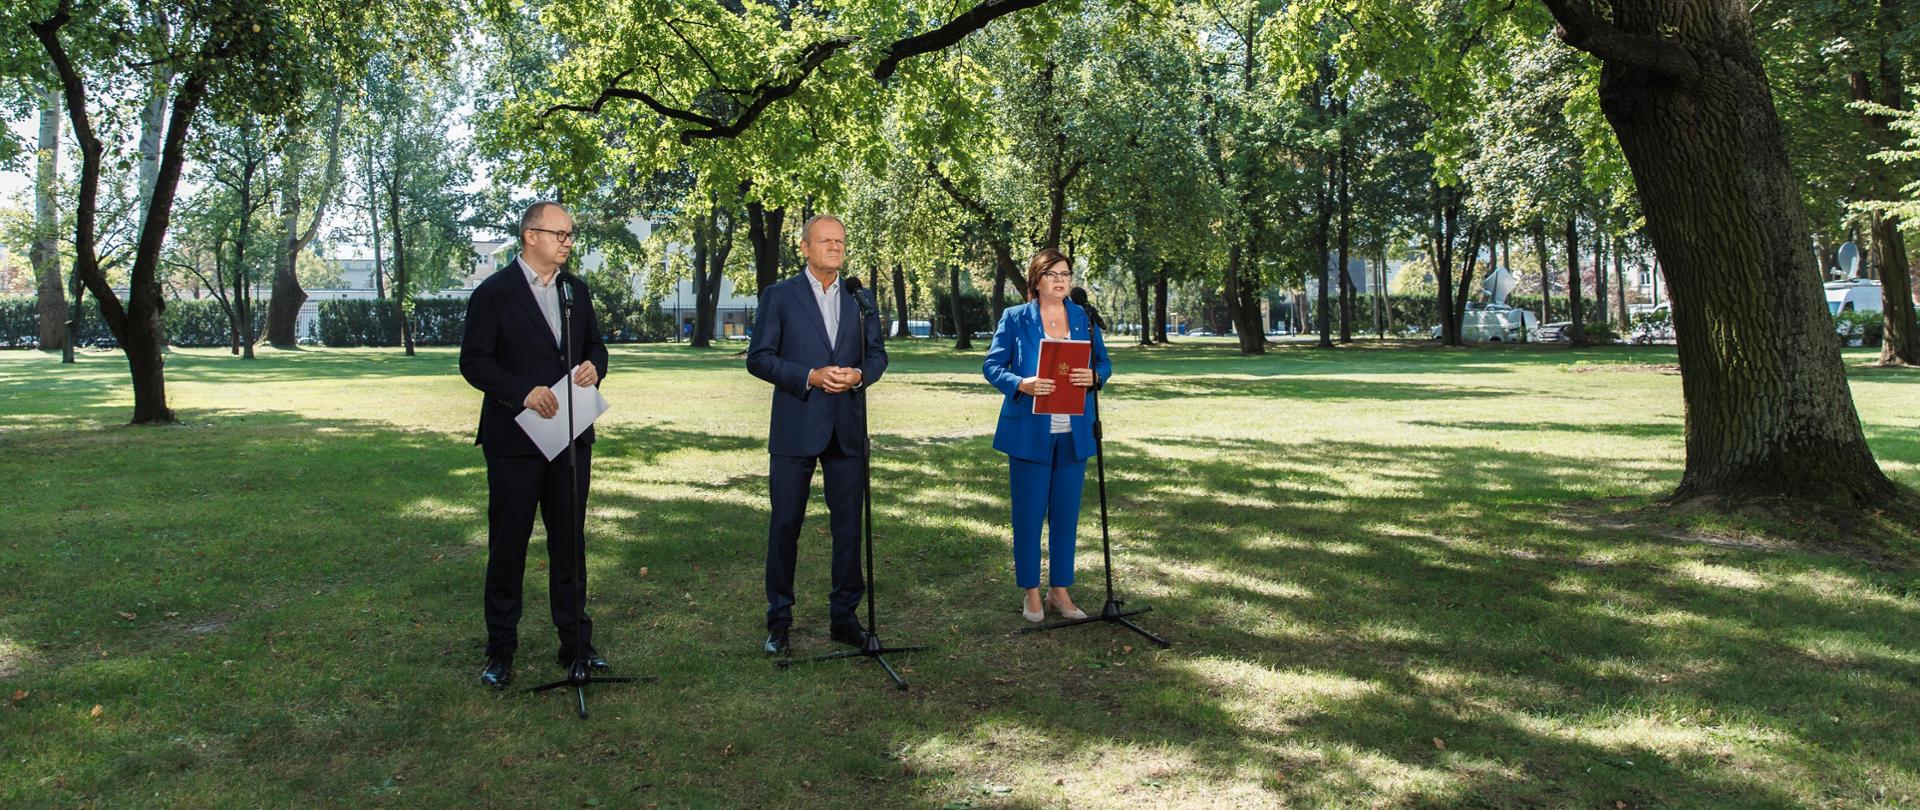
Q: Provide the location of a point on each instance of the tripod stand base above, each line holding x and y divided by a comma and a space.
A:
873, 648
578, 677
1110, 614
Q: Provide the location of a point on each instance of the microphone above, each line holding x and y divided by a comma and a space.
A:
565, 280
1079, 296
853, 287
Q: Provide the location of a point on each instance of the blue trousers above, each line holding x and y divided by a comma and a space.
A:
789, 482
1046, 491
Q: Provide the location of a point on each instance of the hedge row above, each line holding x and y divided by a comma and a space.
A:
434, 322
188, 322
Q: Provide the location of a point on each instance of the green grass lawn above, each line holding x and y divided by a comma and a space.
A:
1395, 577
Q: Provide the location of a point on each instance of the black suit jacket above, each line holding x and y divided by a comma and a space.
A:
508, 350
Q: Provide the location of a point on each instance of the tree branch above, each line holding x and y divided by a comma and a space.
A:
947, 35
763, 94
766, 93
1583, 28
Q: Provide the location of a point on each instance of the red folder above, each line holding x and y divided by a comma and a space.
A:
1058, 359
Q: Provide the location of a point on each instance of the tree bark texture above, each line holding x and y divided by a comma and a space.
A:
1769, 413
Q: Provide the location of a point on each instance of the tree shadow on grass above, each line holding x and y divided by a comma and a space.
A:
1288, 388
305, 623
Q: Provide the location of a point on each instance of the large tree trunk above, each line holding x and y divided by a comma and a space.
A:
1160, 304
1900, 345
764, 226
714, 247
900, 301
45, 253
1600, 278
1322, 254
242, 284
402, 281
962, 338
283, 309
1576, 314
1769, 413
1465, 288
136, 324
1143, 295
1346, 234
1620, 286
1546, 275
1446, 224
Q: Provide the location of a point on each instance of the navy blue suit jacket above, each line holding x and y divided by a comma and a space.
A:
1014, 356
508, 350
789, 340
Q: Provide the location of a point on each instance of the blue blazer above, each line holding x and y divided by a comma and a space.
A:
508, 350
1014, 356
789, 340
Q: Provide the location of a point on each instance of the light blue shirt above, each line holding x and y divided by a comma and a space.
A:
828, 299
547, 296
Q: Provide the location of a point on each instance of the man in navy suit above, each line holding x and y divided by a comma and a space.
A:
817, 345
513, 351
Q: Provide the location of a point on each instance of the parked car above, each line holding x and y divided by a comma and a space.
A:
1555, 332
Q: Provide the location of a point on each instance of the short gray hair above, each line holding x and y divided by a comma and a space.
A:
806, 229
533, 212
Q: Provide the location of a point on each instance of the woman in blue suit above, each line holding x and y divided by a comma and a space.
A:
1047, 454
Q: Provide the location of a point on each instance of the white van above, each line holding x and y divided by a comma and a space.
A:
1496, 323
1857, 295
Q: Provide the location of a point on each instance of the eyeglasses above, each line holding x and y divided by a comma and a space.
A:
1053, 276
565, 237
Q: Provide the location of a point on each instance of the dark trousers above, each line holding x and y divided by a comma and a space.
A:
516, 486
789, 480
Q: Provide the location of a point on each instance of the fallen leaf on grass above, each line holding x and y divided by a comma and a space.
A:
97, 710
125, 615
1439, 743
20, 695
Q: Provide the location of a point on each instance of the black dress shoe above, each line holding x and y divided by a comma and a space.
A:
776, 642
595, 661
499, 672
850, 633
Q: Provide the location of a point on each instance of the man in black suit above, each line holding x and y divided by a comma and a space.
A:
512, 351
810, 343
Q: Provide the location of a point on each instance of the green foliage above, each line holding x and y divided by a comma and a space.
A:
1867, 328
973, 311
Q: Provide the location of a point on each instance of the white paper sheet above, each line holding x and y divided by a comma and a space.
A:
550, 435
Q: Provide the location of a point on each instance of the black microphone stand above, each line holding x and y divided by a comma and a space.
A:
1111, 613
872, 647
578, 673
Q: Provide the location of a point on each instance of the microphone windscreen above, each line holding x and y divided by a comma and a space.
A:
1079, 295
852, 285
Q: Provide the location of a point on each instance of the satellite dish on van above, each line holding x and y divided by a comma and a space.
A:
1498, 285
1849, 260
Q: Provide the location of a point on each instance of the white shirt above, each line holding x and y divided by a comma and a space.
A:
828, 299
547, 296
